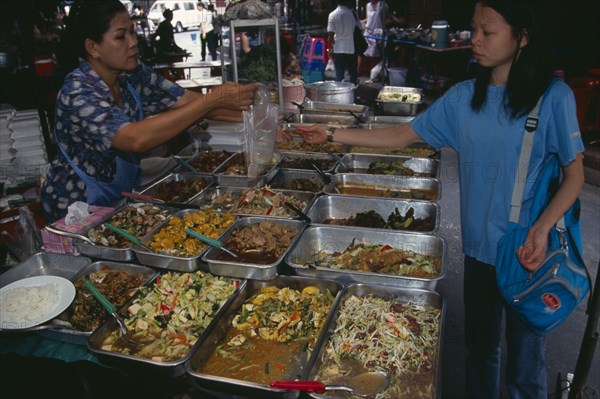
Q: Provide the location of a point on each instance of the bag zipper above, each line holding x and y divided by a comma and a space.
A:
551, 275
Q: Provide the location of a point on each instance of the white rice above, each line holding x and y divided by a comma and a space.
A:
25, 304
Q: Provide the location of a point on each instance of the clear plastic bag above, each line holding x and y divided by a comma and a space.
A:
260, 129
26, 239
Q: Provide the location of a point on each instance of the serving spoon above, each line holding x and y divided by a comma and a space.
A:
212, 242
362, 385
128, 236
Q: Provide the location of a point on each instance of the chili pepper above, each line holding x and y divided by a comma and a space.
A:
165, 309
386, 247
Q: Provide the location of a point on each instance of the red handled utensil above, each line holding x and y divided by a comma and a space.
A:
365, 384
149, 198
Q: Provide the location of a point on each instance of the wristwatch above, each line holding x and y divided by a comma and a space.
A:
330, 131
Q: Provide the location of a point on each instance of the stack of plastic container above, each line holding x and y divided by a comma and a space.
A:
314, 59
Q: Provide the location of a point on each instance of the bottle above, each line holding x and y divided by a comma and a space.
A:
439, 34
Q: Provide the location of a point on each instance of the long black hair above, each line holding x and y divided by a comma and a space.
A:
531, 70
87, 19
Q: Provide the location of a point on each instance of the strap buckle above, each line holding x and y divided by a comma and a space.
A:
562, 238
531, 123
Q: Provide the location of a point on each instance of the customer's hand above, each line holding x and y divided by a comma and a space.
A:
313, 134
533, 251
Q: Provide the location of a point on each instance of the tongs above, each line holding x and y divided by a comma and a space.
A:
157, 201
301, 215
324, 176
337, 159
185, 164
358, 118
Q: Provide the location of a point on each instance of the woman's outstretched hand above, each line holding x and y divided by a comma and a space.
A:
235, 96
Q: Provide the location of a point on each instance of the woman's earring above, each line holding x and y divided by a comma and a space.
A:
96, 56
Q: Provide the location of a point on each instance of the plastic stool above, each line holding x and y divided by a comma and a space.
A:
315, 49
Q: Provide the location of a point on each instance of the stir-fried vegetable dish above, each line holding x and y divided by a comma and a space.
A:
395, 221
179, 190
209, 161
272, 335
381, 334
264, 201
167, 318
378, 258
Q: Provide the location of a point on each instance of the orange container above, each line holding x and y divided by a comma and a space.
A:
44, 67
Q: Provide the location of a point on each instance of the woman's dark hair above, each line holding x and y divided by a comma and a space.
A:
86, 20
531, 70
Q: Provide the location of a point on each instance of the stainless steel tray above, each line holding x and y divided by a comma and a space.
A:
197, 156
359, 163
205, 201
248, 270
389, 119
329, 119
207, 178
242, 180
297, 145
284, 177
302, 161
169, 262
107, 252
217, 334
415, 150
46, 264
345, 206
398, 107
418, 188
335, 239
62, 331
320, 107
143, 365
401, 295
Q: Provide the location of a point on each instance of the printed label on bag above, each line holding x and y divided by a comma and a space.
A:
551, 301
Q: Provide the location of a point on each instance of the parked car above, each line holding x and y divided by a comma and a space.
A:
185, 14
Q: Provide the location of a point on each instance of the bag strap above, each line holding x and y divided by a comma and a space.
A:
524, 158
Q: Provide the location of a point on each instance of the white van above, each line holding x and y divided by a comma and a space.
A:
185, 14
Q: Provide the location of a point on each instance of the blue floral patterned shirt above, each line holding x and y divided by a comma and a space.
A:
86, 122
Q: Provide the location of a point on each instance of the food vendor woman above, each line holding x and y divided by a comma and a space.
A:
111, 108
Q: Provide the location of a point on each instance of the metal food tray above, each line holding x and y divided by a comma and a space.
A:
139, 364
247, 270
329, 119
345, 206
395, 107
205, 200
335, 239
284, 176
217, 334
392, 183
359, 163
234, 180
403, 295
46, 264
321, 158
199, 153
169, 262
111, 253
320, 107
62, 332
389, 119
306, 148
206, 177
410, 150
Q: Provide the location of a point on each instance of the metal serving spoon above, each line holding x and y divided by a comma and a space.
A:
363, 385
69, 234
212, 242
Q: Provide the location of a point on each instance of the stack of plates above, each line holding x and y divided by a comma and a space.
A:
225, 135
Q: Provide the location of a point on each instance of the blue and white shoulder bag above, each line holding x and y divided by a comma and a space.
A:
544, 298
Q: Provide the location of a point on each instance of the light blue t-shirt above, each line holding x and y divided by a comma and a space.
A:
488, 143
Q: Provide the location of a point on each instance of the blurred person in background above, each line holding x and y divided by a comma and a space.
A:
340, 40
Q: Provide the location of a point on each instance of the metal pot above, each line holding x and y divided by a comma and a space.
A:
331, 92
